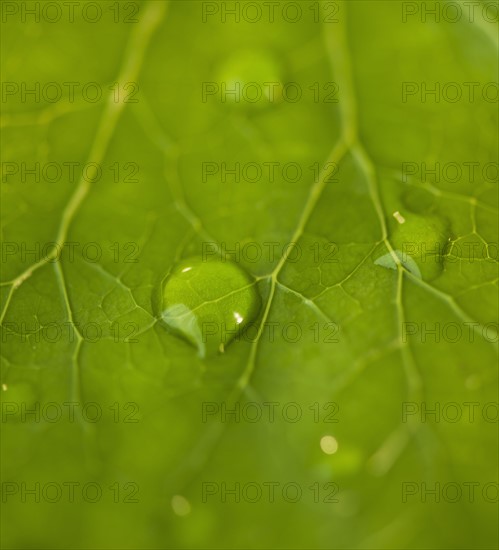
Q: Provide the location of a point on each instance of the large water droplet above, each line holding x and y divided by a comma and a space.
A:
252, 79
208, 302
420, 242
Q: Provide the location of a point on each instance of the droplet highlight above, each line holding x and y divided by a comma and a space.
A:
208, 303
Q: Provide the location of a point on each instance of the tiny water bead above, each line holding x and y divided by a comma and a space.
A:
251, 79
208, 302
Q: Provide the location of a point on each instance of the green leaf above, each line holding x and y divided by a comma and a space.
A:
317, 416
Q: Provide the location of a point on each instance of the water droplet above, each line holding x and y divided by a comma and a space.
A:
420, 243
180, 505
208, 302
256, 77
329, 445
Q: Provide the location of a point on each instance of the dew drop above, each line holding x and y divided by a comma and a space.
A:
329, 445
180, 505
255, 75
208, 303
420, 243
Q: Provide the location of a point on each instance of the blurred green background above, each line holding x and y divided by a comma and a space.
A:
141, 113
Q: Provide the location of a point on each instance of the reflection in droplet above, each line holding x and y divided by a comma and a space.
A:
238, 318
398, 216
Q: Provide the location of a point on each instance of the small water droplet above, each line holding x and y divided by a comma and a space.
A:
328, 444
251, 78
208, 303
180, 505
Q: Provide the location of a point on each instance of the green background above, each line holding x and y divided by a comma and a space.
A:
170, 212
